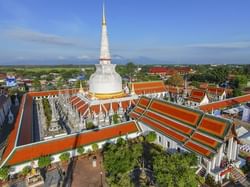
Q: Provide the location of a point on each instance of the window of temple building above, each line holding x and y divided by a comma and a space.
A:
178, 149
159, 139
168, 144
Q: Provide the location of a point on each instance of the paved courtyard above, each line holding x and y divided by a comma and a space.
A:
85, 174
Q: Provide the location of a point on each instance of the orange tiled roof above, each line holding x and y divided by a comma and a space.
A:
197, 95
197, 131
198, 149
163, 130
225, 103
54, 146
143, 102
148, 87
52, 92
181, 114
215, 90
174, 89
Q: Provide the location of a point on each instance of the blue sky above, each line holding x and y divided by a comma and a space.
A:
145, 31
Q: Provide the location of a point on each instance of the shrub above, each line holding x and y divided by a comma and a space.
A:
4, 172
64, 156
95, 147
90, 125
120, 141
80, 150
26, 170
151, 137
44, 161
116, 118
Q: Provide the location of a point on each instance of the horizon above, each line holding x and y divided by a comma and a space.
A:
193, 32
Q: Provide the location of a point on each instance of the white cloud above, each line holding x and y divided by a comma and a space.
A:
225, 45
82, 57
39, 37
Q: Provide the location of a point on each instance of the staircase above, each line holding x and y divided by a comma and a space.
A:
202, 172
239, 177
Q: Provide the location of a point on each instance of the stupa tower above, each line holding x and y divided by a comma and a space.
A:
104, 52
105, 82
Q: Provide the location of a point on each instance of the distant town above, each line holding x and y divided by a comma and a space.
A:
124, 125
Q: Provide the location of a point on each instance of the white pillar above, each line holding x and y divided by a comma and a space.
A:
234, 150
209, 166
219, 156
229, 149
213, 162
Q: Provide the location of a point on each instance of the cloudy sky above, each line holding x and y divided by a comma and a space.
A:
145, 31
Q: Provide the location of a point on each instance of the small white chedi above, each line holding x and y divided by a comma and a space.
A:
105, 82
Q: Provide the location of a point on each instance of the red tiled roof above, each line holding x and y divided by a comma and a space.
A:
215, 90
169, 71
174, 89
205, 140
178, 113
165, 131
169, 123
134, 115
54, 146
198, 149
225, 103
52, 92
197, 95
138, 110
143, 102
213, 126
204, 133
148, 87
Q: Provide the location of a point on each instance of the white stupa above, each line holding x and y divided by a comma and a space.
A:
105, 82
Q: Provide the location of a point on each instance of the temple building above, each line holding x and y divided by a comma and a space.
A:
118, 112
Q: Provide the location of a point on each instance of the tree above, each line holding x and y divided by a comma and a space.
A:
64, 157
26, 170
44, 161
176, 80
47, 111
60, 83
4, 172
90, 125
116, 118
151, 136
119, 161
80, 150
95, 147
174, 170
36, 85
130, 69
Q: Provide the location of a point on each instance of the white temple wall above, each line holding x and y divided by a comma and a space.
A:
55, 158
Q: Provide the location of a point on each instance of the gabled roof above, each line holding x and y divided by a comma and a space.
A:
215, 91
195, 130
49, 147
148, 87
52, 92
225, 103
197, 95
174, 89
